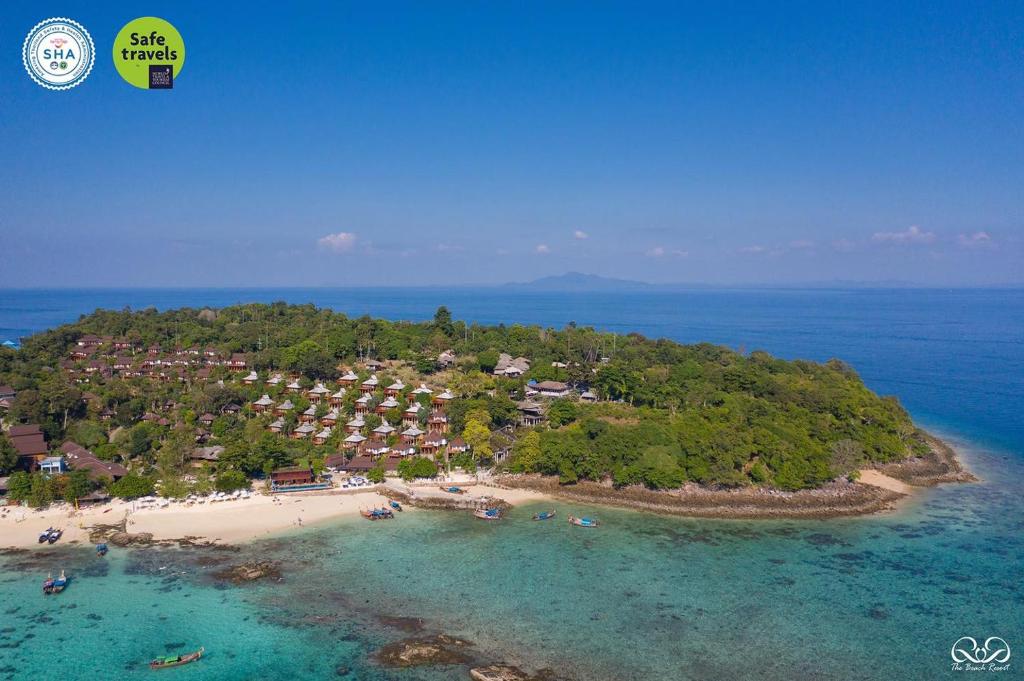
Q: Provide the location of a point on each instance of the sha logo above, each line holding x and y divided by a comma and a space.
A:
58, 53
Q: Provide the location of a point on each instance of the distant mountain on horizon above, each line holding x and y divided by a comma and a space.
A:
578, 281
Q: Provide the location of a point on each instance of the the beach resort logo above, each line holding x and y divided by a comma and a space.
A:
58, 53
149, 53
991, 656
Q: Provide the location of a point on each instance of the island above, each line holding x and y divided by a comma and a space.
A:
293, 398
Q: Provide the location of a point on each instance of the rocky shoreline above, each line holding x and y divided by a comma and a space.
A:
837, 499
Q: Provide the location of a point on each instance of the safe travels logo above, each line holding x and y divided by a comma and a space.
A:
149, 53
58, 53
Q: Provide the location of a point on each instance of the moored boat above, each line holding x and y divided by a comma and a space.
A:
488, 513
376, 513
453, 489
44, 536
583, 522
55, 586
176, 661
544, 515
101, 549
54, 536
395, 505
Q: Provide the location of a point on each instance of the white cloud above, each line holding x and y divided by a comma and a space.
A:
976, 239
843, 246
661, 251
580, 234
801, 244
449, 248
911, 235
754, 250
542, 249
342, 242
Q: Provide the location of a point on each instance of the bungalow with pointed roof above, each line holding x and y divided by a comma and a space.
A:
395, 389
446, 359
250, 378
348, 379
303, 430
373, 364
308, 416
412, 435
375, 447
363, 404
263, 404
389, 403
411, 416
437, 422
276, 379
588, 396
530, 413
284, 408
276, 426
552, 388
384, 429
317, 393
321, 437
457, 446
293, 387
422, 390
207, 419
237, 362
441, 401
432, 443
330, 419
512, 368
369, 385
353, 440
355, 425
337, 398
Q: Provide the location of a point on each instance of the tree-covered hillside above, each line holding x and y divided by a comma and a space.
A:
665, 413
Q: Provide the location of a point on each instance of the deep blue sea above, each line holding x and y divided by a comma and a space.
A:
645, 597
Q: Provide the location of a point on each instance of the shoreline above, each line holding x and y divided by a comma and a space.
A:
264, 515
879, 489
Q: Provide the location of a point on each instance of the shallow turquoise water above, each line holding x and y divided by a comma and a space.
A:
643, 597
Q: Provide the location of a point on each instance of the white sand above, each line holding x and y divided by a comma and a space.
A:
870, 476
227, 521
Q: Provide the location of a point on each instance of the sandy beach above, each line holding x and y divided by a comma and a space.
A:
226, 522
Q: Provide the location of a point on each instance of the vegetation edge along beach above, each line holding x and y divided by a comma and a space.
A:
182, 403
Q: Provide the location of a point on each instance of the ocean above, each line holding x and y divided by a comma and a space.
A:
644, 597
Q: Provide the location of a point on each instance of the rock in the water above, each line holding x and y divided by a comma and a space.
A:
128, 538
249, 572
413, 652
504, 672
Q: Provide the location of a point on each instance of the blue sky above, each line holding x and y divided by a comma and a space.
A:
433, 143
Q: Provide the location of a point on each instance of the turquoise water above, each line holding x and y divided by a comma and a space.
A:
643, 597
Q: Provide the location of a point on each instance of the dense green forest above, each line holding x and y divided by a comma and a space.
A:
668, 413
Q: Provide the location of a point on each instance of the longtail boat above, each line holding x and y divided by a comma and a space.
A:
544, 515
176, 661
55, 586
583, 522
376, 513
397, 506
453, 490
488, 513
101, 549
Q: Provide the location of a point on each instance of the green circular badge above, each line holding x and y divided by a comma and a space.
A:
149, 53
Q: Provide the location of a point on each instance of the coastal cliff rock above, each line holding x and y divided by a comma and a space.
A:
502, 672
433, 650
130, 539
250, 572
939, 466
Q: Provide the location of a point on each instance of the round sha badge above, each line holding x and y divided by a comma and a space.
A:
58, 53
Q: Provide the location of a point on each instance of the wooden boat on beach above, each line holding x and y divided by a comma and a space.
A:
583, 522
488, 513
376, 513
544, 515
176, 661
453, 490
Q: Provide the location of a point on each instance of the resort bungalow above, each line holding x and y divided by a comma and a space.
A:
203, 455
276, 379
530, 413
277, 426
308, 416
384, 429
369, 385
458, 446
321, 437
284, 408
317, 393
81, 459
411, 416
360, 464
441, 401
7, 392
330, 419
373, 365
295, 478
353, 441
389, 403
412, 435
395, 389
337, 398
53, 465
437, 423
30, 444
303, 430
588, 396
446, 359
347, 380
237, 362
552, 388
250, 378
509, 367
263, 404
207, 419
432, 443
422, 390
363, 404
375, 447
355, 425
335, 462
294, 387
